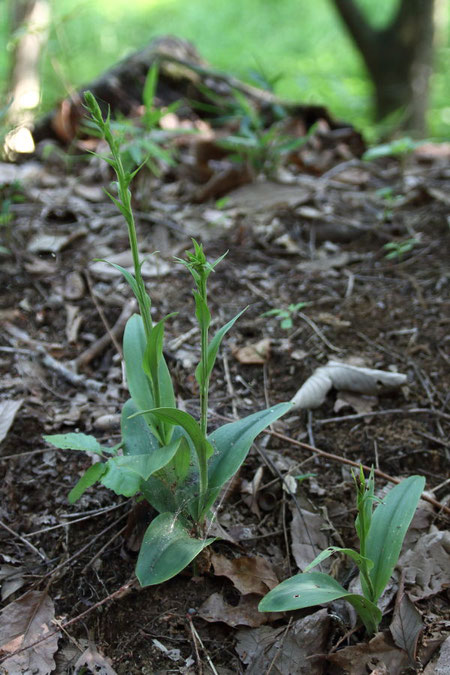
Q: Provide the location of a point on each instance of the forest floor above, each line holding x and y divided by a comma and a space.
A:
314, 239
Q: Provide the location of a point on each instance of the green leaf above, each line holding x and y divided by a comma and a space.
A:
231, 443
123, 474
136, 434
128, 276
390, 522
315, 588
167, 549
134, 346
154, 351
354, 555
91, 476
76, 441
213, 348
202, 312
187, 422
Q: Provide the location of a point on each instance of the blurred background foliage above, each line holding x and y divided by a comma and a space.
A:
299, 46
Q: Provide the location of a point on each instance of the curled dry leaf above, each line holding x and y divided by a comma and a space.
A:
442, 665
249, 575
343, 376
23, 623
292, 648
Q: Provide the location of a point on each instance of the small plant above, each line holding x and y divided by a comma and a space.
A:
142, 143
397, 249
380, 533
286, 316
168, 457
400, 147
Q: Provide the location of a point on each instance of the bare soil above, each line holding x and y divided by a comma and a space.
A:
324, 247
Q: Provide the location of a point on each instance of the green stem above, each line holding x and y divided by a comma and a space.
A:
203, 461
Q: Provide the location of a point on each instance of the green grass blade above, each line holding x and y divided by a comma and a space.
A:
390, 522
91, 476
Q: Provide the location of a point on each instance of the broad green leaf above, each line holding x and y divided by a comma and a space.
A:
91, 476
124, 474
154, 352
231, 443
390, 522
213, 348
187, 422
134, 346
76, 441
167, 549
136, 434
328, 552
315, 588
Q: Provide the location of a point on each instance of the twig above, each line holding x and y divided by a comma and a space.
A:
24, 541
111, 335
280, 647
103, 548
350, 462
391, 411
77, 520
196, 635
68, 374
318, 332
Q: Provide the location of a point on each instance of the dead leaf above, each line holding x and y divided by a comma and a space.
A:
244, 614
8, 411
358, 402
406, 625
255, 354
267, 196
291, 648
426, 566
95, 662
308, 540
343, 376
442, 665
21, 624
326, 263
53, 243
379, 655
249, 575
11, 579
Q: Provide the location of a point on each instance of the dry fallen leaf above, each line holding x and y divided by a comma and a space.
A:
11, 579
308, 540
244, 614
249, 575
291, 648
426, 566
406, 625
254, 354
380, 655
95, 662
442, 665
21, 624
8, 411
343, 376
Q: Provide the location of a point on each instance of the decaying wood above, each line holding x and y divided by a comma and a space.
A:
183, 75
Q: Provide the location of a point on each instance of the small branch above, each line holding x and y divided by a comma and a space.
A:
392, 411
24, 541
